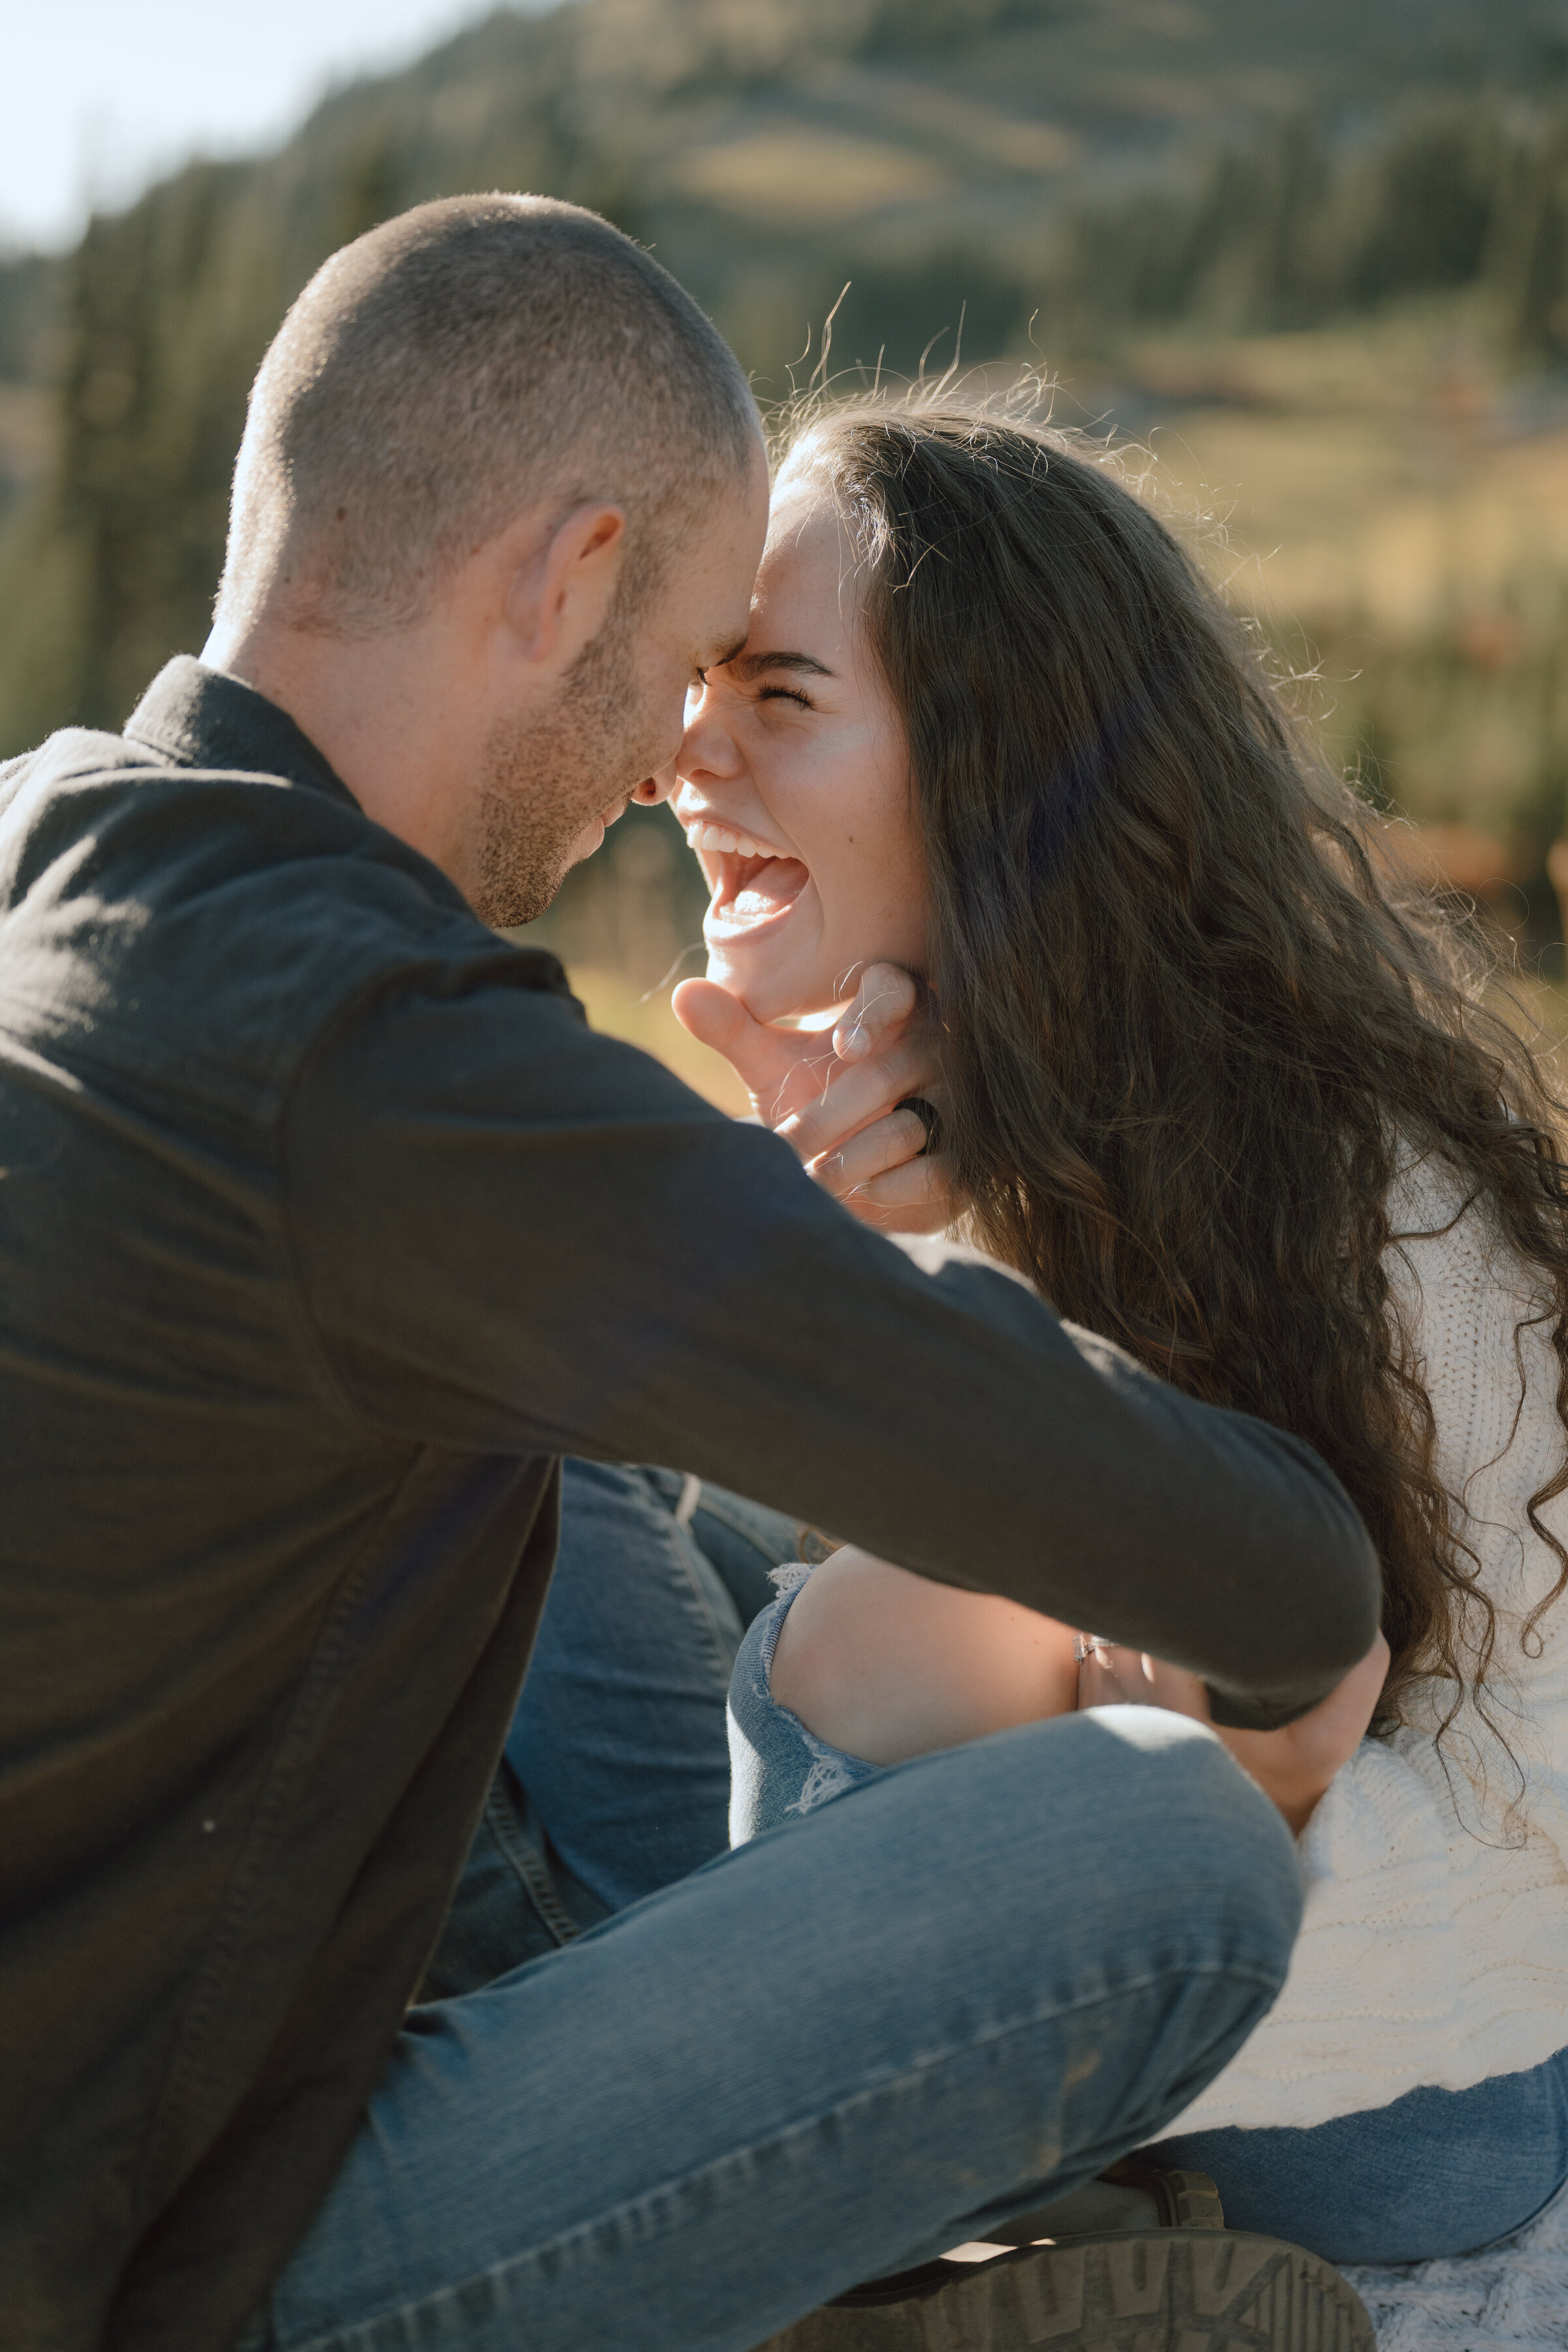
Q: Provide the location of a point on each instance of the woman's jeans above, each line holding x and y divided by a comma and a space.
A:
1436, 2173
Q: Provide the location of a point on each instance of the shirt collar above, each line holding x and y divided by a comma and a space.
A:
200, 717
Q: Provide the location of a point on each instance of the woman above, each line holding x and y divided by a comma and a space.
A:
1229, 1105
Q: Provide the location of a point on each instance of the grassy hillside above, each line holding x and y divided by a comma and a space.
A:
1317, 252
1393, 507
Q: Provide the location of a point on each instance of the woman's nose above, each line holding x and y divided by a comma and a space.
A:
707, 747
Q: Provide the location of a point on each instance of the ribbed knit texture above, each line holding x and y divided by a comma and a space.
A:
1435, 1944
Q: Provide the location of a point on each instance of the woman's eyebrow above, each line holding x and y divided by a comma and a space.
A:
750, 666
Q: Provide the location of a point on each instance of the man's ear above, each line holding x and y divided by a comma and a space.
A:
559, 596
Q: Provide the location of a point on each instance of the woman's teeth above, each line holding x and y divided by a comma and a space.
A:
721, 840
755, 884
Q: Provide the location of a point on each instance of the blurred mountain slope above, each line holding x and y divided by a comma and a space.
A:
1094, 165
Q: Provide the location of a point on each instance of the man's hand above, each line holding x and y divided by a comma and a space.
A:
1294, 1766
834, 1097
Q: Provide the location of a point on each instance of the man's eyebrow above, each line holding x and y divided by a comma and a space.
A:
750, 666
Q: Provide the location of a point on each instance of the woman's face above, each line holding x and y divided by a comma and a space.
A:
794, 784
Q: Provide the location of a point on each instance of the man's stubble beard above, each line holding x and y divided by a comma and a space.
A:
546, 780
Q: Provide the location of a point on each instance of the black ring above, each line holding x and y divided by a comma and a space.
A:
930, 1118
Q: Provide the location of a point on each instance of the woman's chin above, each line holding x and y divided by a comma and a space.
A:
770, 989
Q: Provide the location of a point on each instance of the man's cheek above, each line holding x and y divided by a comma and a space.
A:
667, 722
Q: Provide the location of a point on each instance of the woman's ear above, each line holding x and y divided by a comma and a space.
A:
559, 596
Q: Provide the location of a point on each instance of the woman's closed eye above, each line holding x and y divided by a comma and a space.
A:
785, 694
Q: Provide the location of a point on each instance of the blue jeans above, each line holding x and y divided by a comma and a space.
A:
616, 1776
947, 1997
619, 1736
1436, 2173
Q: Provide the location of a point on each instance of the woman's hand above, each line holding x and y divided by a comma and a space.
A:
834, 1097
1295, 1766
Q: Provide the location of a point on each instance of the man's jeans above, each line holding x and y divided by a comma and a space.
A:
950, 1994
954, 1993
620, 1739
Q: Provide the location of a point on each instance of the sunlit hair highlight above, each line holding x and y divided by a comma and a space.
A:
1191, 1029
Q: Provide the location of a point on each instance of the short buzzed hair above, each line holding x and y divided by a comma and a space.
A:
452, 368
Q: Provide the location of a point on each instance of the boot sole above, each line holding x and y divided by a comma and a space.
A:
1134, 2291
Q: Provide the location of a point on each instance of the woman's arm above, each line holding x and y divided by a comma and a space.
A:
887, 1665
1294, 1766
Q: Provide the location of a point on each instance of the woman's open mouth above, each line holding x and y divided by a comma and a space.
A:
752, 885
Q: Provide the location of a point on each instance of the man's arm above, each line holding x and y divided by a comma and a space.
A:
516, 1236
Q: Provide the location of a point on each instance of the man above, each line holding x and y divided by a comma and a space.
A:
325, 1227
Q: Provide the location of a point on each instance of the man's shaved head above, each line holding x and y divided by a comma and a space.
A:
462, 363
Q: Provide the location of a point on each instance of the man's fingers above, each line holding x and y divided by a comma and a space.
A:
889, 1142
800, 1082
712, 1015
913, 1199
886, 997
886, 1178
842, 1121
780, 1068
865, 1091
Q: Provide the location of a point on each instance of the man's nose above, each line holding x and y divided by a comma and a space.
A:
654, 789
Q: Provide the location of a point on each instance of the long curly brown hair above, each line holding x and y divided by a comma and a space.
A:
1190, 1026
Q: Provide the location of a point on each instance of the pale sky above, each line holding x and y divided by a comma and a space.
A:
97, 97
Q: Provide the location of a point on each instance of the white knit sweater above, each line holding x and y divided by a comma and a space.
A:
1434, 1943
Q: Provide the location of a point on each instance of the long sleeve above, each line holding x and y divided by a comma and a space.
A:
512, 1236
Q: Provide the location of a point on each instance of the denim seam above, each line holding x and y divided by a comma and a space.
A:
684, 1545
734, 1520
1494, 2245
681, 1544
531, 1868
360, 2332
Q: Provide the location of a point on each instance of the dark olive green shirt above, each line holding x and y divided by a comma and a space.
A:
326, 1225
